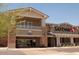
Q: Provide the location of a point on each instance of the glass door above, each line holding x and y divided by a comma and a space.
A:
25, 43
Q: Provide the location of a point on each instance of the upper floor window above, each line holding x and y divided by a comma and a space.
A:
20, 24
24, 24
28, 24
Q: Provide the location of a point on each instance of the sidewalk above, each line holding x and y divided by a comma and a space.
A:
40, 51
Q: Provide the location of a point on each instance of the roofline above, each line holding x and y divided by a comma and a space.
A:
27, 8
39, 11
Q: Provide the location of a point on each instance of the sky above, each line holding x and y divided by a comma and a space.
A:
57, 12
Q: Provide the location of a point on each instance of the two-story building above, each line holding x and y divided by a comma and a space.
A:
30, 28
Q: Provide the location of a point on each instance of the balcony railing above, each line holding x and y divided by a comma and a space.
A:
28, 27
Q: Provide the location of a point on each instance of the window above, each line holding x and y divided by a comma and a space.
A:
24, 24
21, 24
28, 25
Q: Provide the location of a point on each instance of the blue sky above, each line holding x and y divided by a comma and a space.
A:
58, 13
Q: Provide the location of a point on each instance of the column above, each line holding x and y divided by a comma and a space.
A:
12, 38
72, 41
44, 41
58, 41
43, 22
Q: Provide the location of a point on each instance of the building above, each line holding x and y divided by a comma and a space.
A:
63, 34
31, 30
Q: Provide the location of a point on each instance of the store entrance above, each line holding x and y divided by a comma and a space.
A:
27, 43
76, 41
52, 42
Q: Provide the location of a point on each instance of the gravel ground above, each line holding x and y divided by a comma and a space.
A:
40, 51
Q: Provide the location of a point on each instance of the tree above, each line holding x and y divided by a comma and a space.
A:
6, 22
3, 25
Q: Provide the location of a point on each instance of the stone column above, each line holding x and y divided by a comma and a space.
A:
72, 41
12, 41
12, 38
12, 32
58, 41
43, 41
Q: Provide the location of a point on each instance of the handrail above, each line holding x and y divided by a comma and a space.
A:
32, 27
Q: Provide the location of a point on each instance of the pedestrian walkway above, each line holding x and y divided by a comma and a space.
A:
40, 51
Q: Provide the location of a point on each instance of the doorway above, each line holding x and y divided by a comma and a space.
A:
76, 41
52, 42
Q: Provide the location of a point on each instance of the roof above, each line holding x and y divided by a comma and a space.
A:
21, 10
65, 24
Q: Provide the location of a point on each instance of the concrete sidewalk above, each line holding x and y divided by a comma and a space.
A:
40, 51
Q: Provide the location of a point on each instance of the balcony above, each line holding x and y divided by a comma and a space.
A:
29, 27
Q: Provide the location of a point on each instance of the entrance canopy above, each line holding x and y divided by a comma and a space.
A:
67, 35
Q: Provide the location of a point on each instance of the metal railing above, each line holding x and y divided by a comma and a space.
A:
29, 27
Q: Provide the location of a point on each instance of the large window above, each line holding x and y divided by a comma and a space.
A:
20, 24
24, 24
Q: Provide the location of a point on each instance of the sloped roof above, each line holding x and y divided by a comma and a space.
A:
21, 10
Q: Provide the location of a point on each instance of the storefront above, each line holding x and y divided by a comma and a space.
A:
76, 41
52, 42
65, 41
27, 42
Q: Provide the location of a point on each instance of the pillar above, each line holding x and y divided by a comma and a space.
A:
12, 38
43, 41
72, 40
12, 41
58, 41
